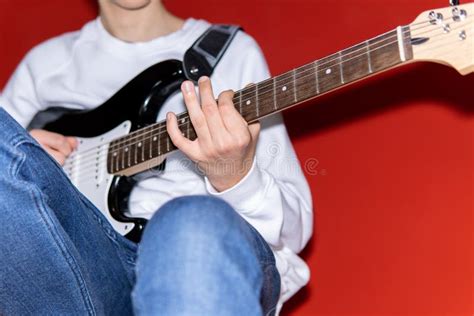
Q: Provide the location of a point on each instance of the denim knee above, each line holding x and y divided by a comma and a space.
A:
192, 217
197, 257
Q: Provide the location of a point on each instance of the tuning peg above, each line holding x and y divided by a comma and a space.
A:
454, 2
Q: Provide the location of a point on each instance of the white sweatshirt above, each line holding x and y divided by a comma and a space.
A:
81, 70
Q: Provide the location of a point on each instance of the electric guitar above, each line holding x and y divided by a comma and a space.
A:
123, 141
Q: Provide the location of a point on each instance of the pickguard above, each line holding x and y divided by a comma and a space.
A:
87, 170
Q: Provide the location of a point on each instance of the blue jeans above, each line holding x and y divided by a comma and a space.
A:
59, 255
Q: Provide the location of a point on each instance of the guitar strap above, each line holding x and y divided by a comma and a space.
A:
199, 60
203, 56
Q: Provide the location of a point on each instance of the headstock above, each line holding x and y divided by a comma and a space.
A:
445, 36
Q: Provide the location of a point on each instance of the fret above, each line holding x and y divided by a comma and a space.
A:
406, 42
329, 73
131, 149
369, 60
316, 75
138, 148
248, 102
384, 51
146, 146
306, 82
122, 160
127, 149
355, 62
154, 145
142, 147
150, 147
127, 153
117, 158
284, 92
294, 85
159, 144
275, 107
272, 95
266, 97
256, 105
134, 153
182, 126
340, 67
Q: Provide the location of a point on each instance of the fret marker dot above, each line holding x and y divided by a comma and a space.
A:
115, 154
183, 120
328, 71
155, 138
284, 88
248, 102
126, 149
140, 144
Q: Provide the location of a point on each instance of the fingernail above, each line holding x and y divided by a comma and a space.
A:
168, 116
203, 79
188, 87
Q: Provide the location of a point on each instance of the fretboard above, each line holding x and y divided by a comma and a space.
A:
142, 149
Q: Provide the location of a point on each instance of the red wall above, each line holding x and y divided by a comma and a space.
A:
393, 183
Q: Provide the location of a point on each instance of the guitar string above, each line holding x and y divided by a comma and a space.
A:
155, 157
425, 49
442, 45
71, 161
270, 80
160, 126
181, 116
82, 178
129, 154
265, 84
95, 156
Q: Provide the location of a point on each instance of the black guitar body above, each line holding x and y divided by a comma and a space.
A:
138, 102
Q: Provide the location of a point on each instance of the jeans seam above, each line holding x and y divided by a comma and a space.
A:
39, 202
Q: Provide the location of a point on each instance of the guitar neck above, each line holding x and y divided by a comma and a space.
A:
270, 96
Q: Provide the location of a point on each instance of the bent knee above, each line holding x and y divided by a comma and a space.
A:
195, 209
188, 217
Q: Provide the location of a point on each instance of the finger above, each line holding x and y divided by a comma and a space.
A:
58, 156
55, 141
233, 120
189, 148
254, 129
72, 142
61, 144
210, 109
195, 113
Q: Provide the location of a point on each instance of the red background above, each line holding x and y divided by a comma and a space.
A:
393, 186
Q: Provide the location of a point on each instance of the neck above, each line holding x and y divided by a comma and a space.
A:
138, 25
272, 95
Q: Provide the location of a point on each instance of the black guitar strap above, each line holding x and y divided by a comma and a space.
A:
202, 58
199, 60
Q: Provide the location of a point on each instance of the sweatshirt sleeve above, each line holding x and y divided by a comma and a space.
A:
20, 97
274, 196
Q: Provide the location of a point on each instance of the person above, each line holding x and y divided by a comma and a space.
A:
217, 243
